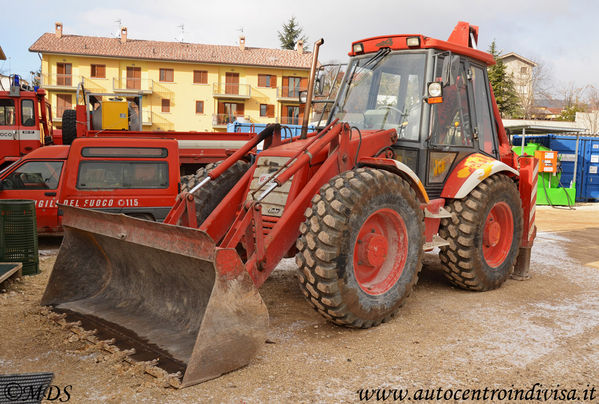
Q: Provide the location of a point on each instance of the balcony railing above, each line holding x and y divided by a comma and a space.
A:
223, 119
61, 81
228, 90
145, 86
289, 93
289, 120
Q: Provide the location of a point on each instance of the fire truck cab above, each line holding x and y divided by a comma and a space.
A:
24, 121
137, 177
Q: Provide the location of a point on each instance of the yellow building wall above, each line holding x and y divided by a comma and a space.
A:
182, 92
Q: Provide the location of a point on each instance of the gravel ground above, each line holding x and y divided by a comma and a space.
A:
545, 330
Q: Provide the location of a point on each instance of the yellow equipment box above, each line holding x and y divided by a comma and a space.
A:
115, 115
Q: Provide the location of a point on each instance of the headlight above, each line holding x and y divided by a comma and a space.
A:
303, 97
435, 89
358, 48
413, 41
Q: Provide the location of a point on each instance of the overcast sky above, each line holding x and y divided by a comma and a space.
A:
561, 34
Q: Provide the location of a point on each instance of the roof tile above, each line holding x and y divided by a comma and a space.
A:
174, 51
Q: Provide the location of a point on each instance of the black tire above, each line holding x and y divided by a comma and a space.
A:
328, 241
464, 260
212, 193
69, 126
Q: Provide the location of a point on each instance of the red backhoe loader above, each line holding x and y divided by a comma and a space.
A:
414, 157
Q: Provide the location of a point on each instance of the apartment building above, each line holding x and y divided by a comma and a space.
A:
183, 86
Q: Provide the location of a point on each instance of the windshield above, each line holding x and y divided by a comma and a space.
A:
384, 93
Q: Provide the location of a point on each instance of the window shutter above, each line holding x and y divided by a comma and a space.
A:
240, 109
221, 108
303, 84
270, 111
273, 82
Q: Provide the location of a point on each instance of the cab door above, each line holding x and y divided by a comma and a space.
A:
9, 143
453, 135
28, 130
38, 180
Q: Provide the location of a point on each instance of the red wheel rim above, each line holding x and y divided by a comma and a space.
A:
380, 251
498, 234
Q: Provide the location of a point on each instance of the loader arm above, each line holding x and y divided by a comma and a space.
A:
337, 152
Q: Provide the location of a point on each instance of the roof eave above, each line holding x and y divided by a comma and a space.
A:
166, 60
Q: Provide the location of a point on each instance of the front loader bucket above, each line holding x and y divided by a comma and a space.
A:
165, 290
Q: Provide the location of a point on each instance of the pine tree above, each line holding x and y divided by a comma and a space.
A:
291, 34
503, 86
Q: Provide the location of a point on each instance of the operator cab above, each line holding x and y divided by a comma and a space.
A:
434, 93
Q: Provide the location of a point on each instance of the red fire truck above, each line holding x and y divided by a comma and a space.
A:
137, 177
25, 122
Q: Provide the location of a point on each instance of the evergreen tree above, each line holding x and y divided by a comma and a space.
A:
291, 34
503, 86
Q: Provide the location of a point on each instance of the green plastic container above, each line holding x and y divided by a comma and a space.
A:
18, 234
549, 190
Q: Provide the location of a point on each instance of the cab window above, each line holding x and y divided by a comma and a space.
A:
34, 175
27, 115
7, 112
122, 174
450, 120
483, 111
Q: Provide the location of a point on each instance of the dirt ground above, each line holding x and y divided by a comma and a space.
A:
544, 330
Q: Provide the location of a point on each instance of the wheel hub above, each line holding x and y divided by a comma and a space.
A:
498, 234
380, 251
492, 234
373, 250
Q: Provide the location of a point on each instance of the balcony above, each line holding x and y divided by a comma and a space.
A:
96, 85
133, 85
289, 94
290, 120
63, 82
231, 91
221, 120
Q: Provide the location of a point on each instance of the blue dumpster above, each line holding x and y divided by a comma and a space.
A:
587, 170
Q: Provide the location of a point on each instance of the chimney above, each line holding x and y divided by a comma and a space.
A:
242, 42
123, 34
300, 46
58, 29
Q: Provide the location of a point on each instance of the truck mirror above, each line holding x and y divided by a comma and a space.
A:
318, 85
446, 70
451, 66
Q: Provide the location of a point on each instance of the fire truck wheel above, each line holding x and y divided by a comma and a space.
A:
360, 248
209, 196
69, 126
484, 235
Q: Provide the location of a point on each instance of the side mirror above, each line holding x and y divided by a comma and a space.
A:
451, 68
446, 70
318, 86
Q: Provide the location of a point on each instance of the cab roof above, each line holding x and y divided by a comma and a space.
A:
462, 41
52, 152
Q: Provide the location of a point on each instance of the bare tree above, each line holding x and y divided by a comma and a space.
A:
589, 117
532, 85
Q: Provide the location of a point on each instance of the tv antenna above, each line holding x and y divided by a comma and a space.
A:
182, 28
118, 32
